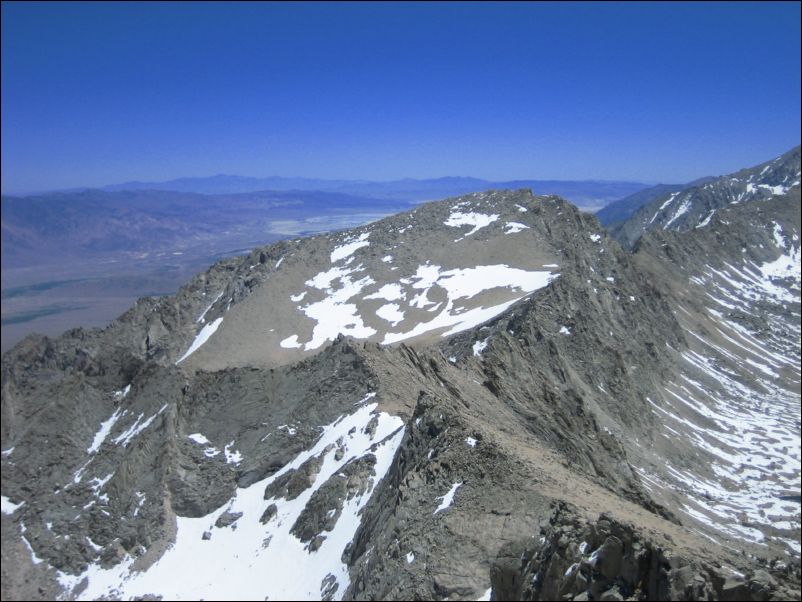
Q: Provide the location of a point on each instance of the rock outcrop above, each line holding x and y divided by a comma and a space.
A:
573, 558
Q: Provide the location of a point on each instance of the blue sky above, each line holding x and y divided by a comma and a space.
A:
98, 93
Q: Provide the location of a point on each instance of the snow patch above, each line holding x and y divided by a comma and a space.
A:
390, 292
291, 342
706, 220
366, 398
448, 498
349, 248
333, 315
9, 507
199, 439
391, 312
232, 457
34, 558
513, 227
467, 283
477, 220
122, 393
479, 346
663, 206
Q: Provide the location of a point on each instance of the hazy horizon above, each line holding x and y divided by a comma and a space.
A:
312, 178
96, 94
366, 180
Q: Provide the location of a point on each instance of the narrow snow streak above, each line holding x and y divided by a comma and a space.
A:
125, 438
203, 336
681, 210
202, 318
105, 429
663, 206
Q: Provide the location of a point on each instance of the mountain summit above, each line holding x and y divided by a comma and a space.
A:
486, 397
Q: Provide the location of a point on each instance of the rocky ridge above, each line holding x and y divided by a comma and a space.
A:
689, 208
404, 470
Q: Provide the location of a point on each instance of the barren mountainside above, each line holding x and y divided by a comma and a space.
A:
484, 398
688, 208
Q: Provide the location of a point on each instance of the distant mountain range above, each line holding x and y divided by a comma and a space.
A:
584, 193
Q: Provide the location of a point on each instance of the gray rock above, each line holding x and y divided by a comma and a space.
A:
611, 595
328, 588
227, 519
303, 478
609, 557
268, 514
626, 562
735, 589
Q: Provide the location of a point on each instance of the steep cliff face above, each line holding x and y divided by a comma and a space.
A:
383, 412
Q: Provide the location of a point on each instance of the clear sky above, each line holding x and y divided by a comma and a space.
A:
99, 93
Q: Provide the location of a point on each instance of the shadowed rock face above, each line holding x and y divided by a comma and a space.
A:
407, 470
573, 558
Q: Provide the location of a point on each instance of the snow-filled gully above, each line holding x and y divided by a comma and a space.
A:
250, 560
